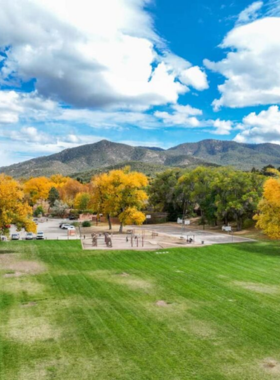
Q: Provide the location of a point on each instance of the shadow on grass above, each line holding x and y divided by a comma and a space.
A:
5, 251
271, 248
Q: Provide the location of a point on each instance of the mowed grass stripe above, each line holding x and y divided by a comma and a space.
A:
131, 326
110, 326
82, 282
131, 333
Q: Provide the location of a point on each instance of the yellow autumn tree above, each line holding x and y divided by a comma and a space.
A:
268, 217
102, 192
70, 189
82, 201
59, 180
121, 193
37, 189
13, 208
132, 216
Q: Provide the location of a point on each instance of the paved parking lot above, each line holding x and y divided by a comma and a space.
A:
51, 229
198, 235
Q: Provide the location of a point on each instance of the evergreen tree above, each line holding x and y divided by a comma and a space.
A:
53, 196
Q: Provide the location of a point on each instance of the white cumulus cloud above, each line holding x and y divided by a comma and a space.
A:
250, 13
92, 53
16, 106
194, 77
260, 128
223, 127
252, 66
184, 116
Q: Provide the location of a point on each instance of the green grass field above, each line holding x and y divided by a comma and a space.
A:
211, 313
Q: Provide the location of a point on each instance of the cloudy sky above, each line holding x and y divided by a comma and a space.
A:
142, 72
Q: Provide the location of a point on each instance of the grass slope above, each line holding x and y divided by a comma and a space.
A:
95, 315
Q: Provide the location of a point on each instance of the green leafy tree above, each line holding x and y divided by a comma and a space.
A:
195, 188
82, 201
53, 196
163, 194
236, 195
218, 194
39, 211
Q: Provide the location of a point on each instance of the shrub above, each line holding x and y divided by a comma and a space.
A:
75, 224
248, 223
86, 224
39, 211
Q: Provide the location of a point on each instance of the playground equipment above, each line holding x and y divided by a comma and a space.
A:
94, 240
108, 240
136, 240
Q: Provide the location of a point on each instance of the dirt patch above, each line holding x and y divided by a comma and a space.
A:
13, 275
23, 284
30, 329
7, 259
30, 304
73, 367
124, 274
124, 278
201, 329
259, 288
162, 303
271, 366
135, 283
10, 262
28, 267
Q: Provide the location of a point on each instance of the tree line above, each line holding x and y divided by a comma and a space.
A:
216, 195
119, 193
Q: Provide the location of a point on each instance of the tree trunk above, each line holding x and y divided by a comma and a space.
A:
121, 228
109, 221
121, 225
202, 218
239, 224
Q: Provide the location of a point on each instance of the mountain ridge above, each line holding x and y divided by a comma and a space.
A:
105, 153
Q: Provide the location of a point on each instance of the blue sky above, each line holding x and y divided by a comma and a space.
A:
142, 72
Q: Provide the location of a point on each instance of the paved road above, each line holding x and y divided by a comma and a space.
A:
199, 235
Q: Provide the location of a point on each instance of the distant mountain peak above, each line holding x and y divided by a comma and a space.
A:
105, 153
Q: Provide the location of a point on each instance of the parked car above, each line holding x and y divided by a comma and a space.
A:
71, 228
65, 226
29, 236
40, 236
3, 238
15, 237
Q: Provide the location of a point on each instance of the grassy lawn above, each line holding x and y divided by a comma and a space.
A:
211, 313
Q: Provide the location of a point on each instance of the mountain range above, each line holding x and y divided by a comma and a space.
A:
103, 154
